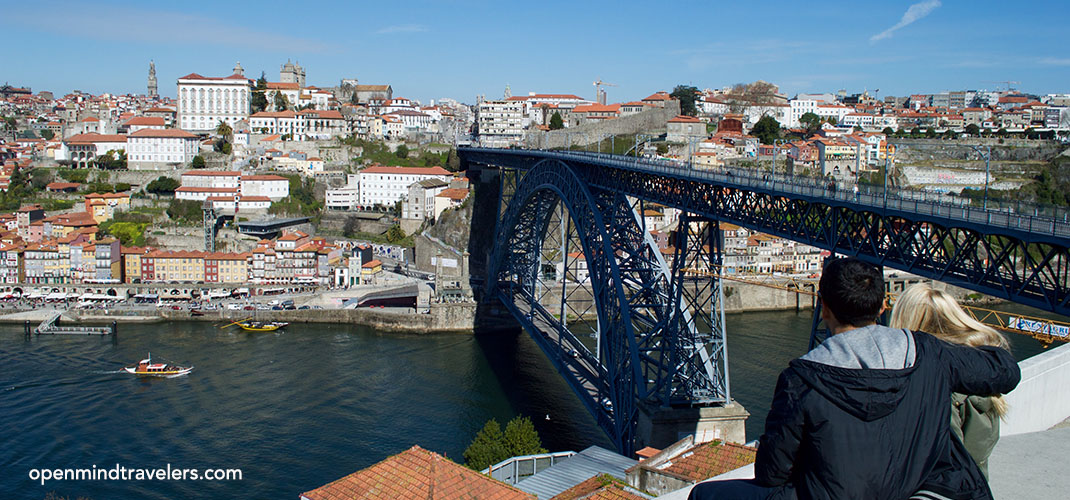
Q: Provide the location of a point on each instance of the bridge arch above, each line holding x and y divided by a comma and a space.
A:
614, 377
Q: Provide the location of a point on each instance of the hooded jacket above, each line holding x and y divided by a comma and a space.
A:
866, 415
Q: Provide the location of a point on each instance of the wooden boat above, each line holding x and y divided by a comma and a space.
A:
259, 326
147, 368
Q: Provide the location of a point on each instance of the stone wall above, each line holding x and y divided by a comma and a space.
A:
1039, 402
648, 121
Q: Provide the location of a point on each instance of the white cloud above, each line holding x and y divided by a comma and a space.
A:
136, 25
402, 28
1055, 61
915, 12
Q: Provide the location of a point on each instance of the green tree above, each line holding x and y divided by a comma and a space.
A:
187, 211
39, 178
258, 101
487, 448
224, 131
687, 95
972, 129
128, 233
766, 130
197, 162
281, 102
521, 438
556, 123
47, 134
453, 162
163, 185
395, 234
888, 132
402, 151
811, 121
1002, 132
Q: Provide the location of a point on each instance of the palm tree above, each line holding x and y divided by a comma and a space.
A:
224, 130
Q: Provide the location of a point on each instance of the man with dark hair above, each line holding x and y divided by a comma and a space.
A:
866, 413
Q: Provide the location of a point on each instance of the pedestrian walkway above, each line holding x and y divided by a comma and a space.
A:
1031, 466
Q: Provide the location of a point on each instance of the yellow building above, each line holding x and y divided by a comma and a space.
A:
226, 267
132, 263
178, 266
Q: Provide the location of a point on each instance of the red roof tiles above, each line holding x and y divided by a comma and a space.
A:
416, 474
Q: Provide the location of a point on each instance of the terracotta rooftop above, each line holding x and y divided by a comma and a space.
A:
416, 474
600, 487
710, 459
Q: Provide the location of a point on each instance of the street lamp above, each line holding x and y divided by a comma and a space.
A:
988, 157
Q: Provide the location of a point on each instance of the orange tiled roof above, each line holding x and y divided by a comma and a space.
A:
416, 474
711, 459
600, 487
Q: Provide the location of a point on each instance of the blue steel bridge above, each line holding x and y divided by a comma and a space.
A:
658, 327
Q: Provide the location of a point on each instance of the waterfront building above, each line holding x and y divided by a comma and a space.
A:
204, 102
220, 267
11, 266
43, 264
183, 266
384, 186
107, 258
132, 263
153, 149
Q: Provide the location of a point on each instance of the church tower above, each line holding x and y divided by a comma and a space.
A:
238, 70
152, 79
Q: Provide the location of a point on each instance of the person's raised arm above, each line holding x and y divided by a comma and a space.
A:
980, 371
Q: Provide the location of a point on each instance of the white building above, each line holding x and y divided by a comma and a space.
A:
82, 149
420, 202
343, 198
205, 101
211, 179
150, 149
271, 186
380, 185
799, 107
203, 193
501, 123
301, 125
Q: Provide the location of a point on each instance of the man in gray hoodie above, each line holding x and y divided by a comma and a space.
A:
866, 413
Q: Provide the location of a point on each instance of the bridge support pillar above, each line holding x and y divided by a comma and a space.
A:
660, 426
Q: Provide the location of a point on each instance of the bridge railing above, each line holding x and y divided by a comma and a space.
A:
1036, 218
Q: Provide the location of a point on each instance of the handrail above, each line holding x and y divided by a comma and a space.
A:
919, 202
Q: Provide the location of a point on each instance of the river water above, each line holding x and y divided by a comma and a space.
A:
297, 409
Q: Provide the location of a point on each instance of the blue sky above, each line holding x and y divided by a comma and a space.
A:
459, 49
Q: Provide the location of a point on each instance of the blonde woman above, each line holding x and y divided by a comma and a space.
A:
974, 419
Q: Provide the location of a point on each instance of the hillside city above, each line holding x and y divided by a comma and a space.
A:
118, 188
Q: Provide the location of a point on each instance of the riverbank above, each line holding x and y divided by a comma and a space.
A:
440, 318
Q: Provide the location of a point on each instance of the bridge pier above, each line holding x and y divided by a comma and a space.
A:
660, 426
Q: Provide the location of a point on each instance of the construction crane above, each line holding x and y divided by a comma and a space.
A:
1045, 330
598, 92
1006, 83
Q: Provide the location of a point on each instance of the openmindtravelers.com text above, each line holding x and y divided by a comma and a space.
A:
122, 473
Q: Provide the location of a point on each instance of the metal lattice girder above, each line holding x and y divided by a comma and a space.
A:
701, 353
1020, 258
607, 385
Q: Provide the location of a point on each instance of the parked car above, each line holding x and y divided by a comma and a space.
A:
249, 308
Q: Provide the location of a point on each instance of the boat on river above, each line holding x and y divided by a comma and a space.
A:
147, 368
260, 326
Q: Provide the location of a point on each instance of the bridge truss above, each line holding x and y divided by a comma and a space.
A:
659, 330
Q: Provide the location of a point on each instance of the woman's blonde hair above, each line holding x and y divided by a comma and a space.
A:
923, 308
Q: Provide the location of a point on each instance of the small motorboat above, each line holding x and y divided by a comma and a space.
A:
260, 326
147, 368
196, 312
